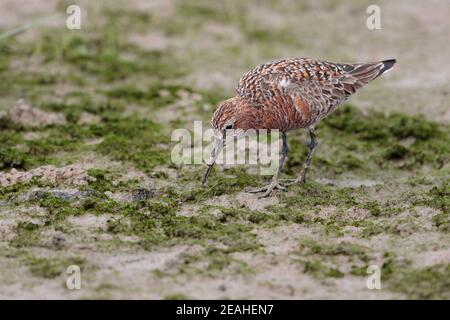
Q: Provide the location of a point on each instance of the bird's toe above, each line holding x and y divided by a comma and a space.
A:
267, 190
290, 182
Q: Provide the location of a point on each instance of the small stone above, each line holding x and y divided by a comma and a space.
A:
67, 195
142, 194
26, 115
37, 195
87, 118
72, 174
58, 240
109, 194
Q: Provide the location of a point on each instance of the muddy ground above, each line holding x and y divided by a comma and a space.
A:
86, 177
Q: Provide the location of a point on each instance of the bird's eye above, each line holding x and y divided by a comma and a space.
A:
228, 127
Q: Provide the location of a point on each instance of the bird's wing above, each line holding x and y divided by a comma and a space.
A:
318, 84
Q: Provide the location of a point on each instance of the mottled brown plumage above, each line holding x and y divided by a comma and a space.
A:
293, 93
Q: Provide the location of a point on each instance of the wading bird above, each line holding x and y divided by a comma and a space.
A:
289, 94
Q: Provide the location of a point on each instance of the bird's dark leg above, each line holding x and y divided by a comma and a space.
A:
312, 146
274, 184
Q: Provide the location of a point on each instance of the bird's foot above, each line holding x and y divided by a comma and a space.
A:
290, 182
268, 189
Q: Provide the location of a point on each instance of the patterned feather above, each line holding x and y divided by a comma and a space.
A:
295, 93
314, 88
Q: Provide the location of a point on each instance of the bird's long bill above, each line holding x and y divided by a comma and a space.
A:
218, 146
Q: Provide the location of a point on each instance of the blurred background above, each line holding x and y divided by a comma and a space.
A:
86, 178
210, 44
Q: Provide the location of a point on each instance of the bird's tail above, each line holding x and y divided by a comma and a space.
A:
366, 72
386, 66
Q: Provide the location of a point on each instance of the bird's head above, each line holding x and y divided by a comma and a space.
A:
232, 118
226, 115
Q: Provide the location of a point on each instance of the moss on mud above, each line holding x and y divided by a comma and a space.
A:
373, 179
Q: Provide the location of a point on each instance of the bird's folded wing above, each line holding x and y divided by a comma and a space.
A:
319, 84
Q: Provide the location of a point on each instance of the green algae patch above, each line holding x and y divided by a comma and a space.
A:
309, 247
321, 270
437, 197
227, 182
176, 296
139, 141
310, 195
26, 234
321, 259
235, 236
105, 180
381, 139
424, 283
155, 222
150, 96
376, 126
50, 268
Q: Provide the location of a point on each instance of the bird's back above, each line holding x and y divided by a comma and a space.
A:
295, 93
